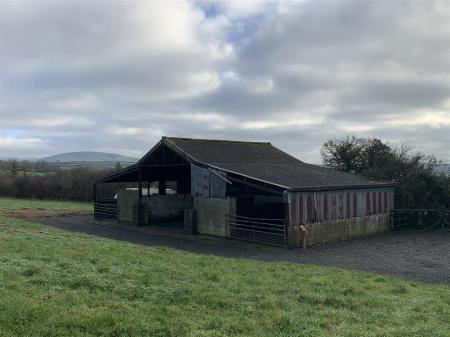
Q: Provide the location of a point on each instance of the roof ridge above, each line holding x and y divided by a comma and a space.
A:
259, 163
218, 140
287, 154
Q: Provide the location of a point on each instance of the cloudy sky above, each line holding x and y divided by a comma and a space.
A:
115, 76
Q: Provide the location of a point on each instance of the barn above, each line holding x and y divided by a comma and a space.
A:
244, 190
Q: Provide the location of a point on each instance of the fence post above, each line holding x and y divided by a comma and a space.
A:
227, 227
285, 227
392, 219
286, 222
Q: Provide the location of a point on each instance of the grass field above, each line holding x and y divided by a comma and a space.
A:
56, 283
13, 203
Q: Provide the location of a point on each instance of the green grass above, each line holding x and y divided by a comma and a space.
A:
56, 283
15, 203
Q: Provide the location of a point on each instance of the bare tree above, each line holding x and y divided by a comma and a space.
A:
418, 184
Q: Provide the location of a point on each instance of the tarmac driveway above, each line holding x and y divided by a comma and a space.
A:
410, 255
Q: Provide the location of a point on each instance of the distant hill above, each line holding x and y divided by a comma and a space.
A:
89, 156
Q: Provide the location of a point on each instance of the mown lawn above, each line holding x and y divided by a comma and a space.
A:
56, 283
7, 203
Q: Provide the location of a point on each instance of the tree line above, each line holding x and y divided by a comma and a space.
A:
418, 185
41, 180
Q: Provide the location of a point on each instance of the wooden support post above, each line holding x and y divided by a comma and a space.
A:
286, 226
140, 185
148, 188
139, 205
95, 193
162, 187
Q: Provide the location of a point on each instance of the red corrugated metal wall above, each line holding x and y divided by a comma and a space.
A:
308, 207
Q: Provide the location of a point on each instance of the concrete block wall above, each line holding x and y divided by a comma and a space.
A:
154, 208
166, 207
190, 221
340, 229
211, 214
126, 202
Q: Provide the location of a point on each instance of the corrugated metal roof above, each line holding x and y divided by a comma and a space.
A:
264, 162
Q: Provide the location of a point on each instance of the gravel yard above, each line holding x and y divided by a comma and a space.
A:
410, 255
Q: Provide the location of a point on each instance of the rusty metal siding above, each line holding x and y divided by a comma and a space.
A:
340, 198
317, 205
354, 204
380, 203
374, 202
348, 203
333, 206
301, 209
308, 207
326, 207
297, 207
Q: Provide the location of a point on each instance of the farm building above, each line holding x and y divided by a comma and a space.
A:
245, 190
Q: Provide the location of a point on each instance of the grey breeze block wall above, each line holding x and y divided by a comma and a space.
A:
211, 214
340, 229
126, 202
166, 207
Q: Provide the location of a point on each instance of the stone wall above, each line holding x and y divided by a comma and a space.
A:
340, 229
210, 214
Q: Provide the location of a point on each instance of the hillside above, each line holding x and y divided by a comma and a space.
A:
89, 156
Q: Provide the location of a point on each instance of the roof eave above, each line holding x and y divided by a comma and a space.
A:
116, 174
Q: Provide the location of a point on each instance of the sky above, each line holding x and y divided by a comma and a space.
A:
115, 76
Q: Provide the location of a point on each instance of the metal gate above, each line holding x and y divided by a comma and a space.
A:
266, 231
106, 210
420, 218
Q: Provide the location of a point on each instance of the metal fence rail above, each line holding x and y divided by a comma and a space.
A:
419, 218
106, 210
266, 231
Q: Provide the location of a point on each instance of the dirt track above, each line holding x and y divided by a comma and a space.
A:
415, 256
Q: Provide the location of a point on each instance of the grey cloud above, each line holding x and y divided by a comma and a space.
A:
117, 76
392, 95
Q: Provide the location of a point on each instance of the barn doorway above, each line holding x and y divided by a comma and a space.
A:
260, 216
